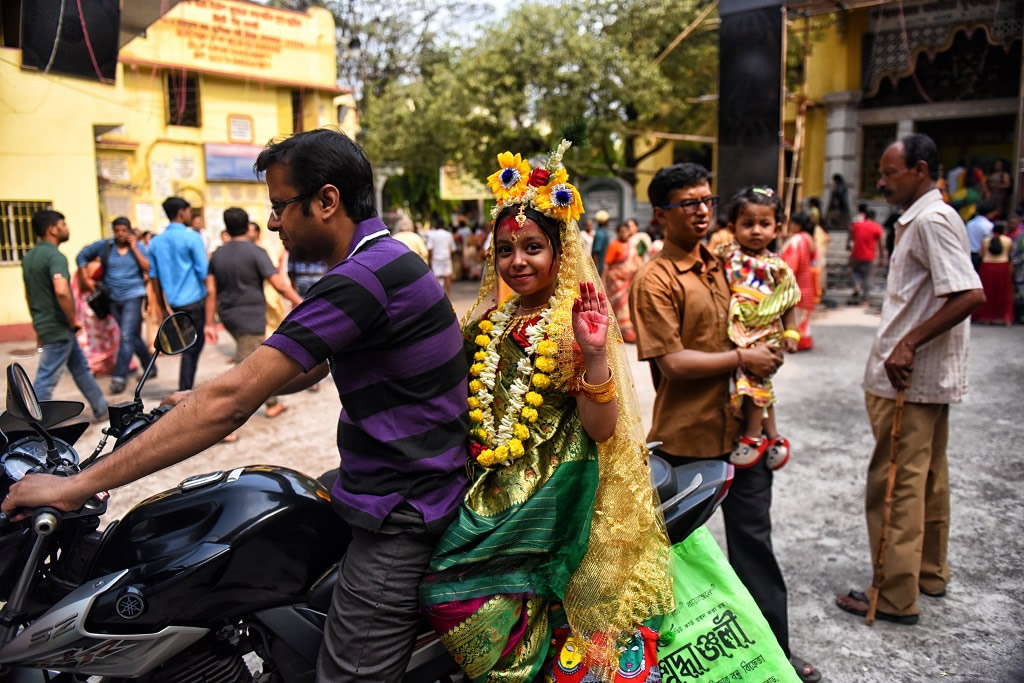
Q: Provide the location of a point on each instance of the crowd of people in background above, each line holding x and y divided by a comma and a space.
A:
710, 295
455, 248
981, 196
126, 284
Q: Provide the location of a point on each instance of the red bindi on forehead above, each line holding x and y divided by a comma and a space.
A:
514, 233
511, 224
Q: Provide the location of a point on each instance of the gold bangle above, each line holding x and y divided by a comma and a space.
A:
599, 393
792, 334
603, 397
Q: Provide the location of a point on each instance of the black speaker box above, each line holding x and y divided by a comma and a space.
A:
750, 94
40, 20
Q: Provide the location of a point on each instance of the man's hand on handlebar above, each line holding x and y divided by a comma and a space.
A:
38, 490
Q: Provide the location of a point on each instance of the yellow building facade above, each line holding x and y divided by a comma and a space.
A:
879, 71
194, 100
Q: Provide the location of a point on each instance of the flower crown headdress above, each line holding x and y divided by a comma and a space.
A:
545, 189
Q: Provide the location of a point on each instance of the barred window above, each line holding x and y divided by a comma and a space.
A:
182, 99
874, 141
16, 236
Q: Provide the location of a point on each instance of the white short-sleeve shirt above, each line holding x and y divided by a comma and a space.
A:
441, 244
930, 261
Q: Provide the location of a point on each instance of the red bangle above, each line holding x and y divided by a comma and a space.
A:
739, 357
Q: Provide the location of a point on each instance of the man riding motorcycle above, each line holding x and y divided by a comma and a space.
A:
393, 344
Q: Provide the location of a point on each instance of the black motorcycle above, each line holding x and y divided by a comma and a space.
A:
194, 581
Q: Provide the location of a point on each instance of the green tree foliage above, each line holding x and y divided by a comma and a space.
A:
544, 64
430, 97
381, 42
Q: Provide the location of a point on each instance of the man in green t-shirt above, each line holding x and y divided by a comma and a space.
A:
48, 292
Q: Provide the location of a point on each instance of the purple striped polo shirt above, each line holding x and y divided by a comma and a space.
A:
382, 321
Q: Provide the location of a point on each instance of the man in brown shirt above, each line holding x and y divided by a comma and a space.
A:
679, 304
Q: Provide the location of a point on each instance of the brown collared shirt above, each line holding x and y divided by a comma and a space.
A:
680, 301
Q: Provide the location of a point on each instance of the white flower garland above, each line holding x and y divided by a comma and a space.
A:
503, 444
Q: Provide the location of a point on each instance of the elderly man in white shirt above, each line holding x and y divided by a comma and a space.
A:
920, 350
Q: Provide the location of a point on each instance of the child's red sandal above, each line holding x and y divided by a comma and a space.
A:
777, 453
748, 451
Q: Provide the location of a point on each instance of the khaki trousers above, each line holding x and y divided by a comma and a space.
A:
915, 556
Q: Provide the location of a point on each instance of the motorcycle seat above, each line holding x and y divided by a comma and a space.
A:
319, 596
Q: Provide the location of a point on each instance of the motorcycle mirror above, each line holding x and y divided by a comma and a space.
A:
21, 397
176, 334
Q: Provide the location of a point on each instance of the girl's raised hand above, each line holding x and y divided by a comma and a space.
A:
590, 320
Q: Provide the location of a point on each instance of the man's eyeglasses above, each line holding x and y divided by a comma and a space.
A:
276, 208
690, 206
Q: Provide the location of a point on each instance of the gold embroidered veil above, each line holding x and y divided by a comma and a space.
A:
624, 576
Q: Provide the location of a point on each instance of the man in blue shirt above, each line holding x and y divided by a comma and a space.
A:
124, 265
980, 227
177, 264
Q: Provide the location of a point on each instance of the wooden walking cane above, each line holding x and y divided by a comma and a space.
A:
890, 484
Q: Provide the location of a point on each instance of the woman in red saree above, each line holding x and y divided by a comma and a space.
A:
800, 254
99, 337
621, 265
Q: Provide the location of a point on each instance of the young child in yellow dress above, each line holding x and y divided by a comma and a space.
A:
764, 292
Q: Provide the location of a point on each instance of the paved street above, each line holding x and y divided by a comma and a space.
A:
971, 635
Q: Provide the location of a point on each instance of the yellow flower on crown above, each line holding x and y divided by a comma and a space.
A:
541, 381
486, 457
521, 431
501, 453
534, 399
510, 180
559, 198
545, 364
515, 448
530, 414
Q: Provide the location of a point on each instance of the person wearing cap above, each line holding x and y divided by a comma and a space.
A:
601, 239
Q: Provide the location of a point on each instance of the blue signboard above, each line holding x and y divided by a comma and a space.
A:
231, 162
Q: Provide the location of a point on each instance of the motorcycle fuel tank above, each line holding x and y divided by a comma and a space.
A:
217, 546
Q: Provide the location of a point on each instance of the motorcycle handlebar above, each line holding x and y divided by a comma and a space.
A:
45, 521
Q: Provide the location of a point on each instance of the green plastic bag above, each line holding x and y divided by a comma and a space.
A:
717, 634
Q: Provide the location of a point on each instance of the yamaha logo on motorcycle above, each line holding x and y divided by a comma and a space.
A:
131, 605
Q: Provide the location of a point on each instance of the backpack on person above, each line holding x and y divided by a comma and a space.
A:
99, 298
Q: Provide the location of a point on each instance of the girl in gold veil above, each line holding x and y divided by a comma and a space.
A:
559, 553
